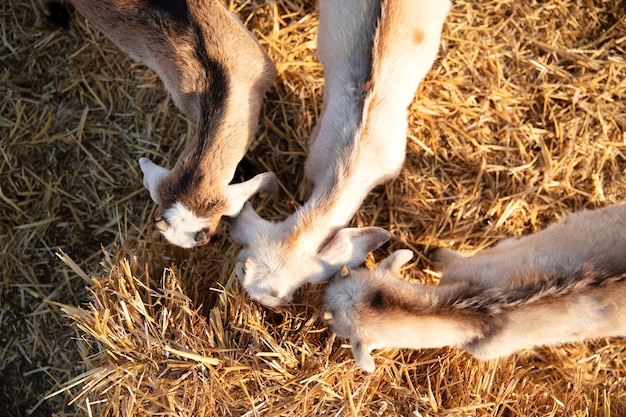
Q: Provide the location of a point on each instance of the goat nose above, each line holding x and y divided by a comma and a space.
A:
202, 237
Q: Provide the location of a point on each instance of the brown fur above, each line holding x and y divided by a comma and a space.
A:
217, 75
563, 284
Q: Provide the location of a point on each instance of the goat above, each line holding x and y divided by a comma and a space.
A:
566, 283
374, 54
217, 74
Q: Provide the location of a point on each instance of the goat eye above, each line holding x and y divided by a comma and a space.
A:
161, 224
201, 236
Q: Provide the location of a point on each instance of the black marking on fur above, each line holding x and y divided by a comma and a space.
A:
190, 179
212, 108
489, 327
183, 188
185, 192
213, 98
370, 46
377, 300
614, 266
472, 300
534, 289
552, 286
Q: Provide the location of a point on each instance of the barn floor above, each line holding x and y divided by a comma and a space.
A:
521, 120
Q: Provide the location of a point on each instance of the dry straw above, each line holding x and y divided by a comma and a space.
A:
521, 120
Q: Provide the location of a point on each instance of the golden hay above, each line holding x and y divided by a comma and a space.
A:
521, 120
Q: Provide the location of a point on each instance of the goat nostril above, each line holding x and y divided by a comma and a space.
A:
202, 237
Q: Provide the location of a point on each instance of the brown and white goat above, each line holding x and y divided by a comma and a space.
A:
217, 74
375, 53
566, 283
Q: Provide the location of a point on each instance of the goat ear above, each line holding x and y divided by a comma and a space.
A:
152, 176
350, 246
362, 355
394, 262
243, 227
238, 194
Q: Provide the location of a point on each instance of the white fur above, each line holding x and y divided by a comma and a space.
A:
263, 269
534, 291
358, 143
183, 225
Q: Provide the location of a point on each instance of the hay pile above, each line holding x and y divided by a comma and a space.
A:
521, 120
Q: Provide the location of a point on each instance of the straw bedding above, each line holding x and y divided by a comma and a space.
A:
521, 120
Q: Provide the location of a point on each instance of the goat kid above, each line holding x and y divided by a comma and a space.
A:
217, 74
566, 283
374, 54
